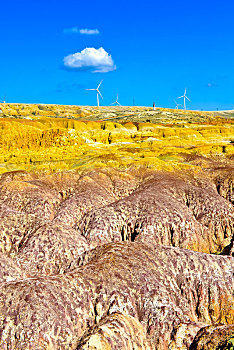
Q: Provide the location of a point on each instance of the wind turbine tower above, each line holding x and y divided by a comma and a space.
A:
98, 92
116, 102
184, 97
4, 101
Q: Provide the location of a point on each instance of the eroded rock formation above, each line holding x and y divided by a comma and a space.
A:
214, 337
165, 210
98, 261
167, 290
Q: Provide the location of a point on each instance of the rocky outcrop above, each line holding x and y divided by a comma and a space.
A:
25, 205
51, 249
9, 269
171, 292
168, 210
219, 337
29, 196
95, 190
55, 138
116, 331
224, 181
97, 260
120, 236
90, 192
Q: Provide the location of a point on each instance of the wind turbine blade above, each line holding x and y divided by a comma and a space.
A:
91, 89
185, 91
99, 93
99, 84
181, 97
188, 98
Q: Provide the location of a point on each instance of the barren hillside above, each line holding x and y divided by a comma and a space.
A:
116, 228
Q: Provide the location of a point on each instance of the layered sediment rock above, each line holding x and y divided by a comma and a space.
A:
39, 137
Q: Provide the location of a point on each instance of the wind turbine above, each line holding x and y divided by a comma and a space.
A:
184, 97
177, 104
98, 92
116, 102
4, 101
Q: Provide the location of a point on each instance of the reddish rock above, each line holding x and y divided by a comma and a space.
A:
115, 332
31, 197
165, 210
59, 293
224, 181
9, 269
94, 190
218, 336
15, 226
89, 193
171, 292
51, 249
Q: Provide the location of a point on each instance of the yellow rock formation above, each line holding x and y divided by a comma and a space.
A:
52, 137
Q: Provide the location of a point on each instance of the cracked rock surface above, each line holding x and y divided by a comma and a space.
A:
112, 259
167, 290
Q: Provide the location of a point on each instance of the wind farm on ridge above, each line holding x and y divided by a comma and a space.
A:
116, 102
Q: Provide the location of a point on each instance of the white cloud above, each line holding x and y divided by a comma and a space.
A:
89, 31
76, 30
98, 60
73, 30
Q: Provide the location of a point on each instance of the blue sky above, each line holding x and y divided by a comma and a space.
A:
153, 50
